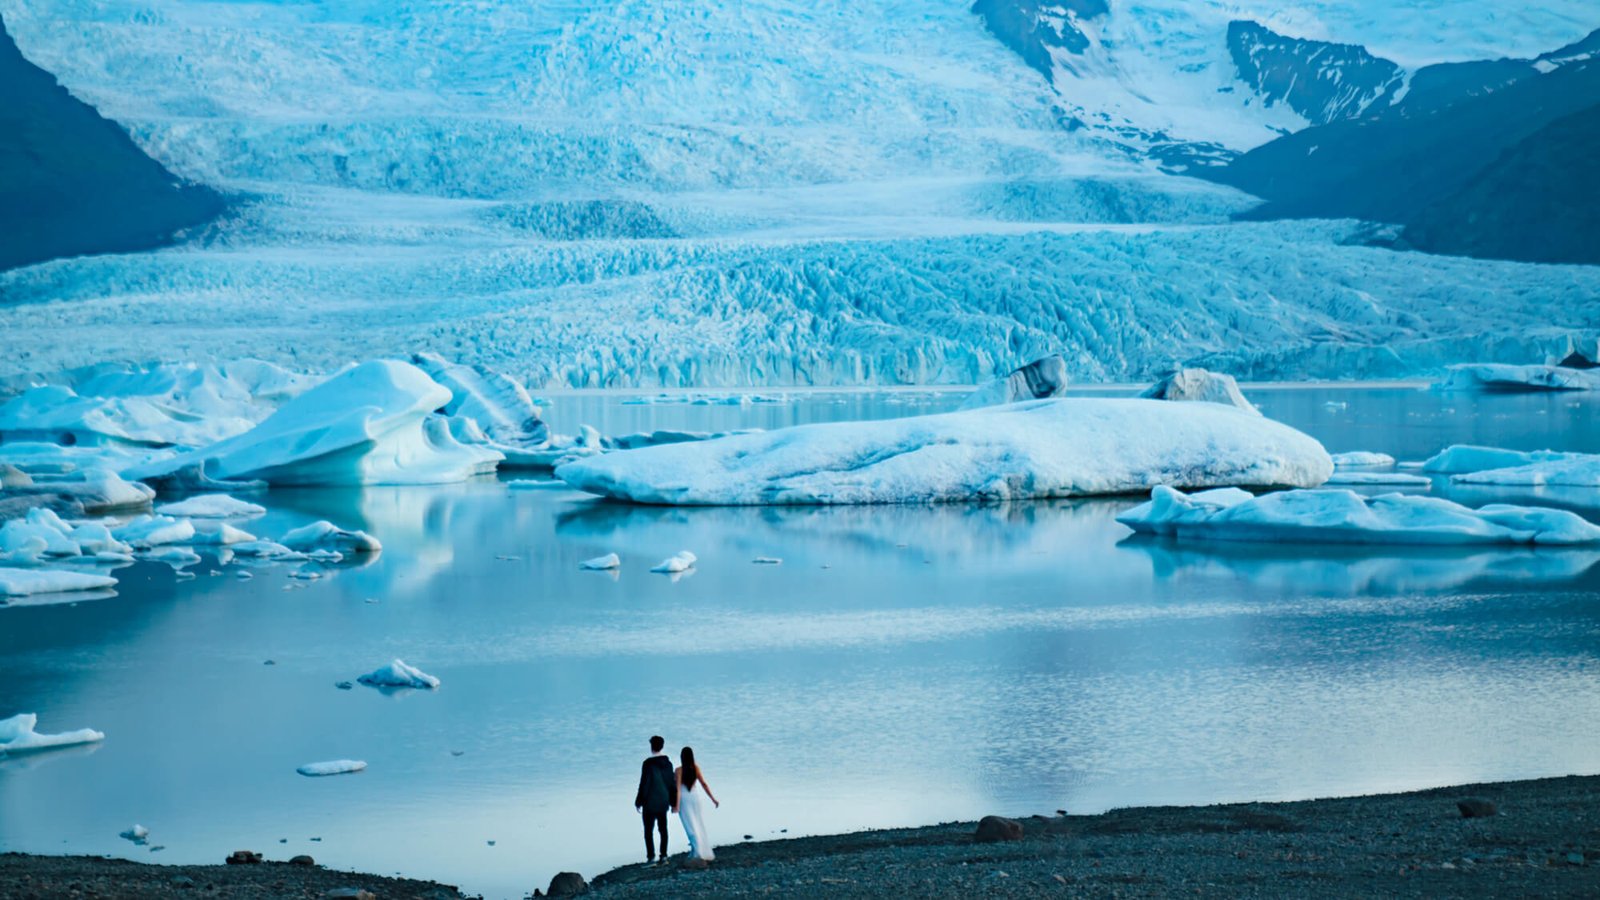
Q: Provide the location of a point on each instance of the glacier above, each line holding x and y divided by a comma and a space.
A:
676, 193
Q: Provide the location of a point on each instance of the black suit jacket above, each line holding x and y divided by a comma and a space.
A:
658, 789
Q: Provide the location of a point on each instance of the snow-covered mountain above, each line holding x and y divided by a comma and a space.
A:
681, 192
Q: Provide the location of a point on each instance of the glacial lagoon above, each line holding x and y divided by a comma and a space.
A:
900, 666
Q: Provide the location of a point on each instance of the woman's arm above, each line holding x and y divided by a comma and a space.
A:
677, 786
700, 776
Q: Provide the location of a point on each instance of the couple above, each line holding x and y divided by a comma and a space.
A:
661, 788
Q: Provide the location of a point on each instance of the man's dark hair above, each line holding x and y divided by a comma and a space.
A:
656, 743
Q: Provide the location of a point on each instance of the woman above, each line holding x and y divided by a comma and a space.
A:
691, 783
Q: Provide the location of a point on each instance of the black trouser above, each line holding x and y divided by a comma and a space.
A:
658, 819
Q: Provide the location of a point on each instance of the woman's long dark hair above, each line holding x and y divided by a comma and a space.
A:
690, 770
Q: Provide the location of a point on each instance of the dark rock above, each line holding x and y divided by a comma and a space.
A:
695, 863
1576, 360
349, 893
302, 860
567, 884
1323, 81
344, 686
270, 662
994, 828
1476, 808
243, 857
1574, 859
182, 881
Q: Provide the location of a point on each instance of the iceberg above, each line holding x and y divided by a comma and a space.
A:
398, 674
1344, 517
1580, 470
223, 535
143, 532
266, 550
93, 491
331, 767
17, 735
1362, 459
682, 561
176, 557
325, 535
371, 424
1038, 380
1039, 449
602, 563
1200, 385
498, 403
39, 533
1459, 458
25, 582
1509, 378
212, 506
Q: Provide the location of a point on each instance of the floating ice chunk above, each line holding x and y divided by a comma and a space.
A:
1468, 458
95, 538
137, 834
265, 550
371, 424
1508, 378
325, 535
498, 403
1043, 448
681, 561
398, 674
17, 735
1361, 459
23, 582
222, 536
767, 561
1037, 380
1392, 479
1344, 517
152, 531
212, 506
93, 490
39, 533
176, 557
529, 484
331, 767
1580, 470
1200, 385
602, 563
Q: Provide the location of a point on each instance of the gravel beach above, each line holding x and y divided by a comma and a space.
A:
1542, 840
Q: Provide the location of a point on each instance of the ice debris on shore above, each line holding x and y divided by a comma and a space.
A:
681, 561
398, 674
212, 506
602, 563
331, 767
1038, 449
17, 735
1501, 377
1038, 380
1200, 385
1344, 517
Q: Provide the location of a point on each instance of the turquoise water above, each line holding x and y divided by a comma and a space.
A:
900, 666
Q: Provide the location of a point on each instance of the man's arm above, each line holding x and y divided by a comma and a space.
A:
638, 797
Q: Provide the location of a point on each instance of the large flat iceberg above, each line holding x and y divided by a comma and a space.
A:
24, 582
1581, 470
1344, 517
1063, 447
17, 735
371, 424
1501, 377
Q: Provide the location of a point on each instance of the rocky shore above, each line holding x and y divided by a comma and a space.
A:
1515, 839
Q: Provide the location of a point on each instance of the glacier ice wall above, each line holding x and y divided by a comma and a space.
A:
671, 192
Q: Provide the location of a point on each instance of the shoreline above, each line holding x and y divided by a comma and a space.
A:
1543, 840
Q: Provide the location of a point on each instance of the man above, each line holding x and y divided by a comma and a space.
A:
658, 792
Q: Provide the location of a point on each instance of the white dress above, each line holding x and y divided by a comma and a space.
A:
691, 811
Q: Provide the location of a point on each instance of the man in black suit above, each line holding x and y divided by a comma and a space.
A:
658, 792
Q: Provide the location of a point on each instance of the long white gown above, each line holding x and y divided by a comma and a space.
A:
691, 811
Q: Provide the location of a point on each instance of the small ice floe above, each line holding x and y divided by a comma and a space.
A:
1344, 517
1579, 470
222, 535
1463, 458
308, 572
681, 561
398, 674
40, 533
176, 557
153, 531
767, 561
327, 536
325, 556
138, 834
17, 735
1335, 405
1388, 479
331, 767
1361, 459
602, 563
25, 582
265, 550
243, 575
212, 506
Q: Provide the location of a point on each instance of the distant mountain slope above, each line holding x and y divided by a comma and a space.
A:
1323, 81
1387, 168
74, 183
1538, 202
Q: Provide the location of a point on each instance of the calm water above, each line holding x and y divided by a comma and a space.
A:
901, 666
